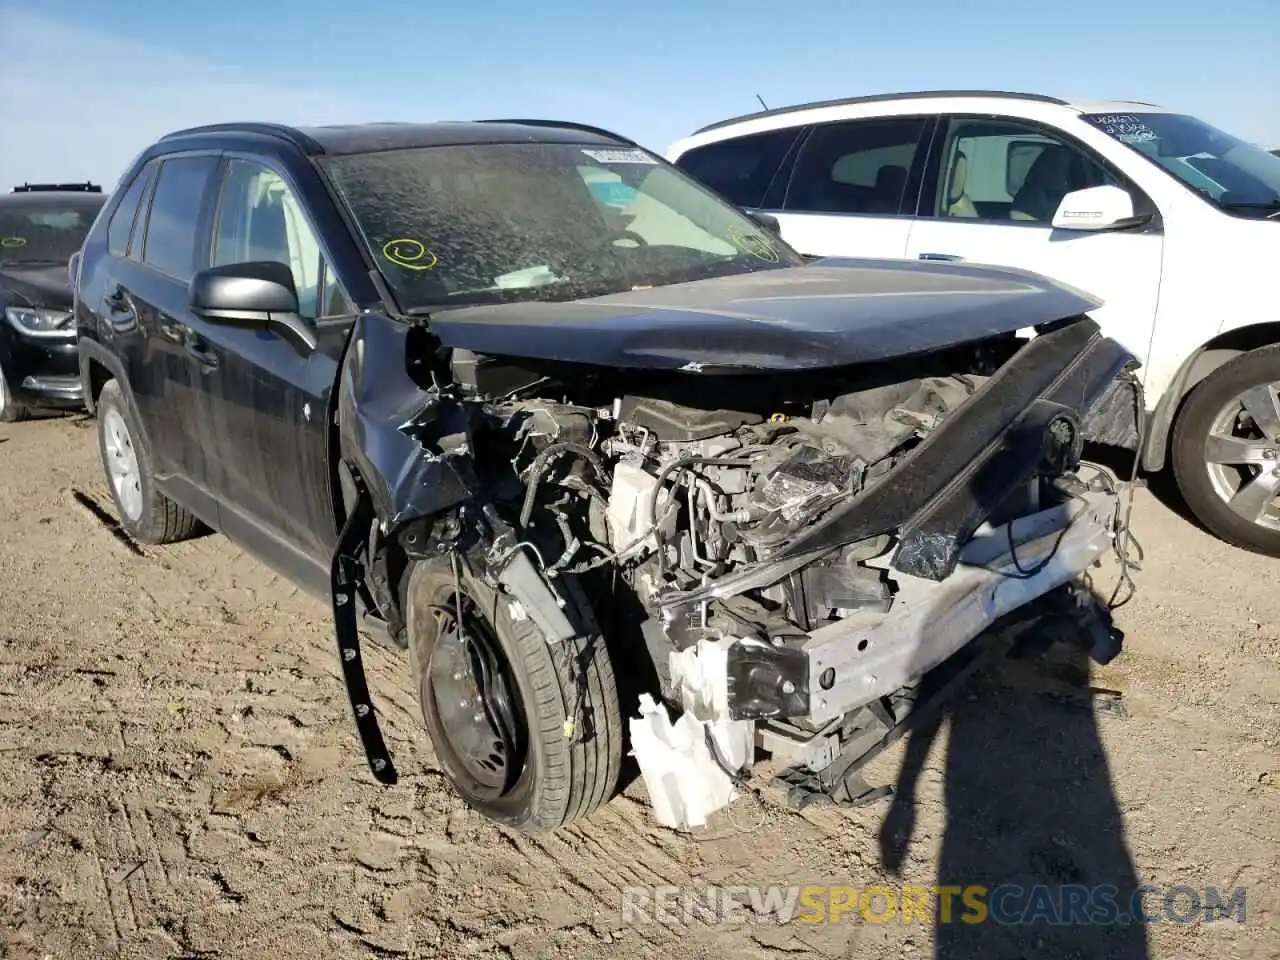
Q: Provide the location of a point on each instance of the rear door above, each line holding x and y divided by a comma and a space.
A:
271, 397
853, 187
144, 308
743, 169
990, 195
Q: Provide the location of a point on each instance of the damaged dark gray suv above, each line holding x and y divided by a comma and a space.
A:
617, 469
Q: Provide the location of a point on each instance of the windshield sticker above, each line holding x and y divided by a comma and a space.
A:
1126, 128
620, 156
754, 244
613, 193
11, 242
410, 254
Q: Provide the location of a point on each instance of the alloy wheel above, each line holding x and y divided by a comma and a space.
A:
1242, 455
122, 464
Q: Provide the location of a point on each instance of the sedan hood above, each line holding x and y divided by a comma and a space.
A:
40, 286
827, 314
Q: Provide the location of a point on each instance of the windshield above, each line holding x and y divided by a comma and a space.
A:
40, 230
1237, 176
486, 223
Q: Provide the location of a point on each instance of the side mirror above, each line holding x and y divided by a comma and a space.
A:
73, 268
766, 220
1097, 208
257, 295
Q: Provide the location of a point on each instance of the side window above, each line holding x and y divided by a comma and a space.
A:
1007, 170
259, 218
856, 166
740, 169
121, 224
172, 226
335, 302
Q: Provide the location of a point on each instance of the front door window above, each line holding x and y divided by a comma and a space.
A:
1009, 171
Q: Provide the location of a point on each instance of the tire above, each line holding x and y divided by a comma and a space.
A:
1207, 487
10, 410
554, 773
146, 515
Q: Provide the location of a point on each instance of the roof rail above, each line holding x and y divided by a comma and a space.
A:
85, 187
279, 131
567, 124
876, 98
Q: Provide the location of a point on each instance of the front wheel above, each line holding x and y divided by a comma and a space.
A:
528, 731
1226, 451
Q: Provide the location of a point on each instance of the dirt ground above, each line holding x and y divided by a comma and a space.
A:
179, 776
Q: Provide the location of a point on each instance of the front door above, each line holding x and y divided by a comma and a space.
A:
854, 186
271, 396
993, 189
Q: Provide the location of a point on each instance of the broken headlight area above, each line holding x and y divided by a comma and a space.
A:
799, 551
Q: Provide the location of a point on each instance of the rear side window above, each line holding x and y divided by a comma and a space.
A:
856, 166
173, 224
121, 225
740, 169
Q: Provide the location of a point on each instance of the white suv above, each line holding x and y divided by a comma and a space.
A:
1173, 224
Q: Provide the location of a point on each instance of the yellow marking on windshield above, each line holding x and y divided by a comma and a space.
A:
754, 244
410, 254
13, 241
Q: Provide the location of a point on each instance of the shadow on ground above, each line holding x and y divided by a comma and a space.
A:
1057, 824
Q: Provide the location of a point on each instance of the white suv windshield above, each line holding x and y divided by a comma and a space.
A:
494, 222
1237, 176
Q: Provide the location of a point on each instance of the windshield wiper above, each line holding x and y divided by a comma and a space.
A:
1272, 207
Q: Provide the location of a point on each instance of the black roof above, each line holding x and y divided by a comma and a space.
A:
876, 98
373, 137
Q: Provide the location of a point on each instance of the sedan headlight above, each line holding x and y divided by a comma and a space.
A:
40, 321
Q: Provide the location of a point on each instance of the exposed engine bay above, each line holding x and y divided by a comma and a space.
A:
786, 553
676, 496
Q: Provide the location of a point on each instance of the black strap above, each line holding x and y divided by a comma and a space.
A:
345, 576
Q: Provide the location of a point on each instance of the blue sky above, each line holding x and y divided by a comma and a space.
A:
85, 85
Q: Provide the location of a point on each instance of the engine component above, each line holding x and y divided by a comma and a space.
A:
672, 423
807, 479
631, 516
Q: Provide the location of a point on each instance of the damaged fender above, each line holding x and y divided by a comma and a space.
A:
407, 449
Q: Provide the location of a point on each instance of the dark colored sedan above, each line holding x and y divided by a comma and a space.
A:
41, 226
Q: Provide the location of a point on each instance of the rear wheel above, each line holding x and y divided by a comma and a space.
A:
146, 514
1226, 451
527, 730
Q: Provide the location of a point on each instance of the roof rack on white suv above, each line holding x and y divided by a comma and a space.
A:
1174, 224
877, 98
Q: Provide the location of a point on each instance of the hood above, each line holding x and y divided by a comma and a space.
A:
40, 286
827, 314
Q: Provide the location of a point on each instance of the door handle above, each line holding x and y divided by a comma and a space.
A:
197, 348
947, 257
121, 314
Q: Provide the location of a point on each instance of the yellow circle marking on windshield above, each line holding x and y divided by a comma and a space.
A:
13, 241
754, 244
410, 254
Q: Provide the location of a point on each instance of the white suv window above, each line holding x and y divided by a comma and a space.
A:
1007, 170
856, 166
